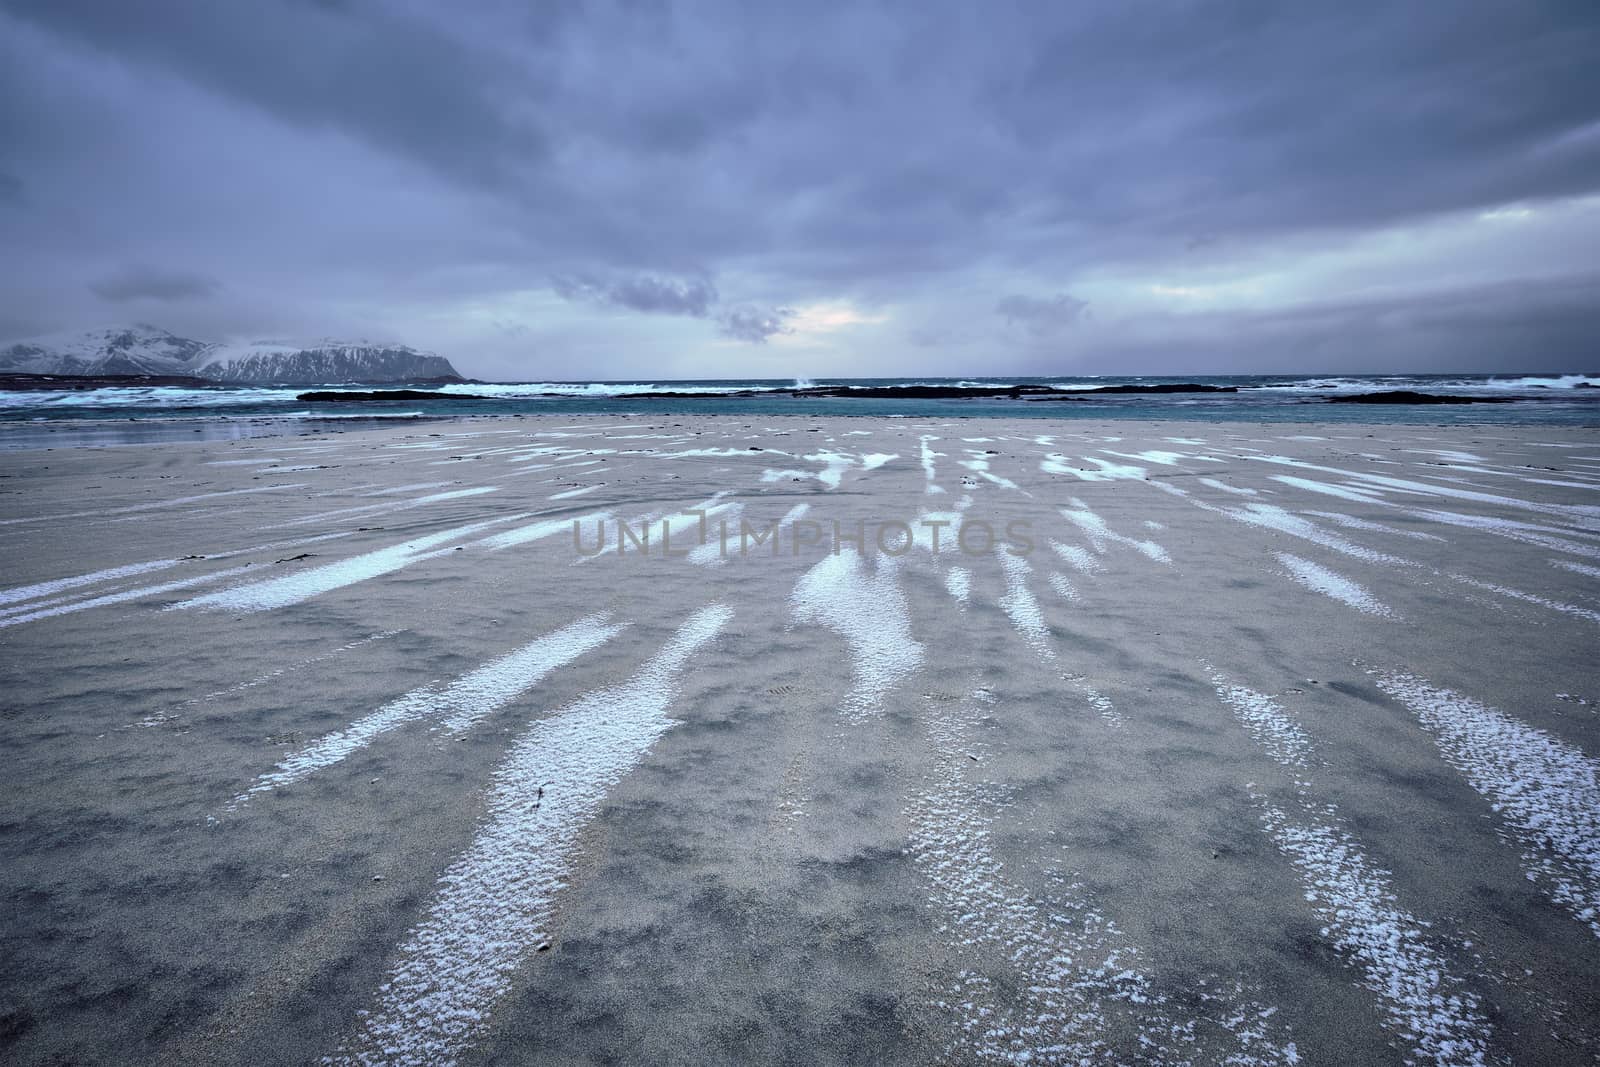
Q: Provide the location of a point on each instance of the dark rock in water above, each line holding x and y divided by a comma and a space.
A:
357, 396
940, 392
1407, 396
101, 381
922, 392
1164, 387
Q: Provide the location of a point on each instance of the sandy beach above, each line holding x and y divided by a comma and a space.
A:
842, 740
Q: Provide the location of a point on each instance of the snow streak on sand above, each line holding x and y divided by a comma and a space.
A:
1443, 1021
980, 467
1350, 522
834, 465
34, 612
715, 550
1422, 1000
61, 585
538, 531
262, 679
495, 903
1577, 568
303, 585
1095, 528
1237, 490
1532, 598
870, 612
1265, 721
958, 582
1070, 974
1078, 557
1527, 533
1359, 496
1063, 587
1546, 790
154, 504
1272, 517
1105, 470
461, 704
1319, 579
928, 456
1022, 608
570, 493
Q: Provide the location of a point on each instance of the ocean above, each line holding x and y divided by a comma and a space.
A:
63, 417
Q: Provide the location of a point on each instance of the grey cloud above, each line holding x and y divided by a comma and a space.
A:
754, 325
143, 282
902, 157
1042, 316
648, 293
370, 70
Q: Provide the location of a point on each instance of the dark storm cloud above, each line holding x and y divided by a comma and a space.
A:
753, 325
1527, 325
644, 292
370, 71
144, 282
918, 155
1042, 316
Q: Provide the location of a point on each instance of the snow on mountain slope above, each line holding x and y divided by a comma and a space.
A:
327, 361
121, 350
148, 350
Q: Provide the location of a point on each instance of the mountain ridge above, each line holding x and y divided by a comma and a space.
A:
142, 349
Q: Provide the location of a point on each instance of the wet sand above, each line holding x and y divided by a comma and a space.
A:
1239, 744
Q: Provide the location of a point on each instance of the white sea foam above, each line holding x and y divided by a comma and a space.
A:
1321, 580
870, 612
494, 904
1546, 790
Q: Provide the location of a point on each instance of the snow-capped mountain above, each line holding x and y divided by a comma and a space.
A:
148, 350
134, 350
327, 361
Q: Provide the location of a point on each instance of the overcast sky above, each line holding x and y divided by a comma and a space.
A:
541, 188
